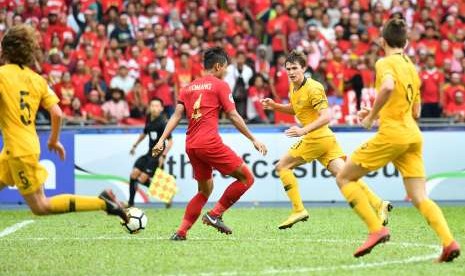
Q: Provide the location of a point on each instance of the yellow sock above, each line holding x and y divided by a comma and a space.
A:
374, 199
73, 203
359, 202
436, 220
291, 186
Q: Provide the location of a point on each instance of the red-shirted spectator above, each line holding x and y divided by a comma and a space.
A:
55, 69
430, 40
163, 82
93, 108
79, 79
256, 92
74, 114
279, 81
110, 64
138, 100
456, 109
432, 81
335, 74
451, 90
444, 52
65, 90
183, 73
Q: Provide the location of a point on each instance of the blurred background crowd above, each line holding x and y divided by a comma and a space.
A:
106, 58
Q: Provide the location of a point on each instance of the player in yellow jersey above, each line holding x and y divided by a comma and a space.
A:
22, 92
398, 140
308, 102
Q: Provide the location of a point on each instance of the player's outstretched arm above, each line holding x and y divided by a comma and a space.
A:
54, 144
383, 96
323, 119
269, 104
139, 139
170, 126
239, 123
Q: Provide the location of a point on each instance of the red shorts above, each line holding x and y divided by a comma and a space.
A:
221, 158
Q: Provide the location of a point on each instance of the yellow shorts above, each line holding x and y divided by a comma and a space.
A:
407, 158
323, 149
24, 172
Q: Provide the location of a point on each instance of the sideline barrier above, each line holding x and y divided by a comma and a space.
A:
100, 159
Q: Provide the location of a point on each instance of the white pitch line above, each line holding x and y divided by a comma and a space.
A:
15, 227
136, 237
361, 265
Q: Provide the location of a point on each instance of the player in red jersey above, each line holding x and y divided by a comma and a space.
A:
202, 101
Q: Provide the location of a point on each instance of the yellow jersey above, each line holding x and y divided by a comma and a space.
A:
306, 102
22, 91
396, 123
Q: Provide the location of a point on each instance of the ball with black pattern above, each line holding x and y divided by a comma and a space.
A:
137, 220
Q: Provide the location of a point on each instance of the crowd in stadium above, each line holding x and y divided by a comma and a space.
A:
106, 58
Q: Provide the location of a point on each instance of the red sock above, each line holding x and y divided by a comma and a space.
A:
232, 194
192, 213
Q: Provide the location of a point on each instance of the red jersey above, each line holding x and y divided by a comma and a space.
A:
431, 81
281, 81
449, 94
93, 109
203, 100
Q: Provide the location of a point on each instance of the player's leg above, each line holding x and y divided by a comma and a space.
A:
411, 167
65, 203
347, 181
194, 208
244, 180
203, 175
235, 167
284, 169
381, 207
28, 175
415, 188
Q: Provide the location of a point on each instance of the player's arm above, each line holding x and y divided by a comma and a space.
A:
170, 126
169, 145
323, 119
384, 93
269, 104
239, 123
139, 139
54, 145
416, 107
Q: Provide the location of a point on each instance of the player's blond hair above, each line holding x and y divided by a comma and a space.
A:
19, 45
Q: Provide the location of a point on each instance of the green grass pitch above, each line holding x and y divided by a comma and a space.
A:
95, 244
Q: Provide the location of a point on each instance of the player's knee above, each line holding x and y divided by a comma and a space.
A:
143, 178
134, 175
417, 199
341, 179
248, 178
40, 210
206, 191
279, 167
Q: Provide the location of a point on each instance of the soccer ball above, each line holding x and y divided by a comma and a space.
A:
137, 220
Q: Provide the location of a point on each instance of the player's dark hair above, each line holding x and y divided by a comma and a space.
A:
395, 33
213, 56
19, 45
157, 100
297, 57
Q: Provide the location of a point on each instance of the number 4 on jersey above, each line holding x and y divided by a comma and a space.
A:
196, 113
